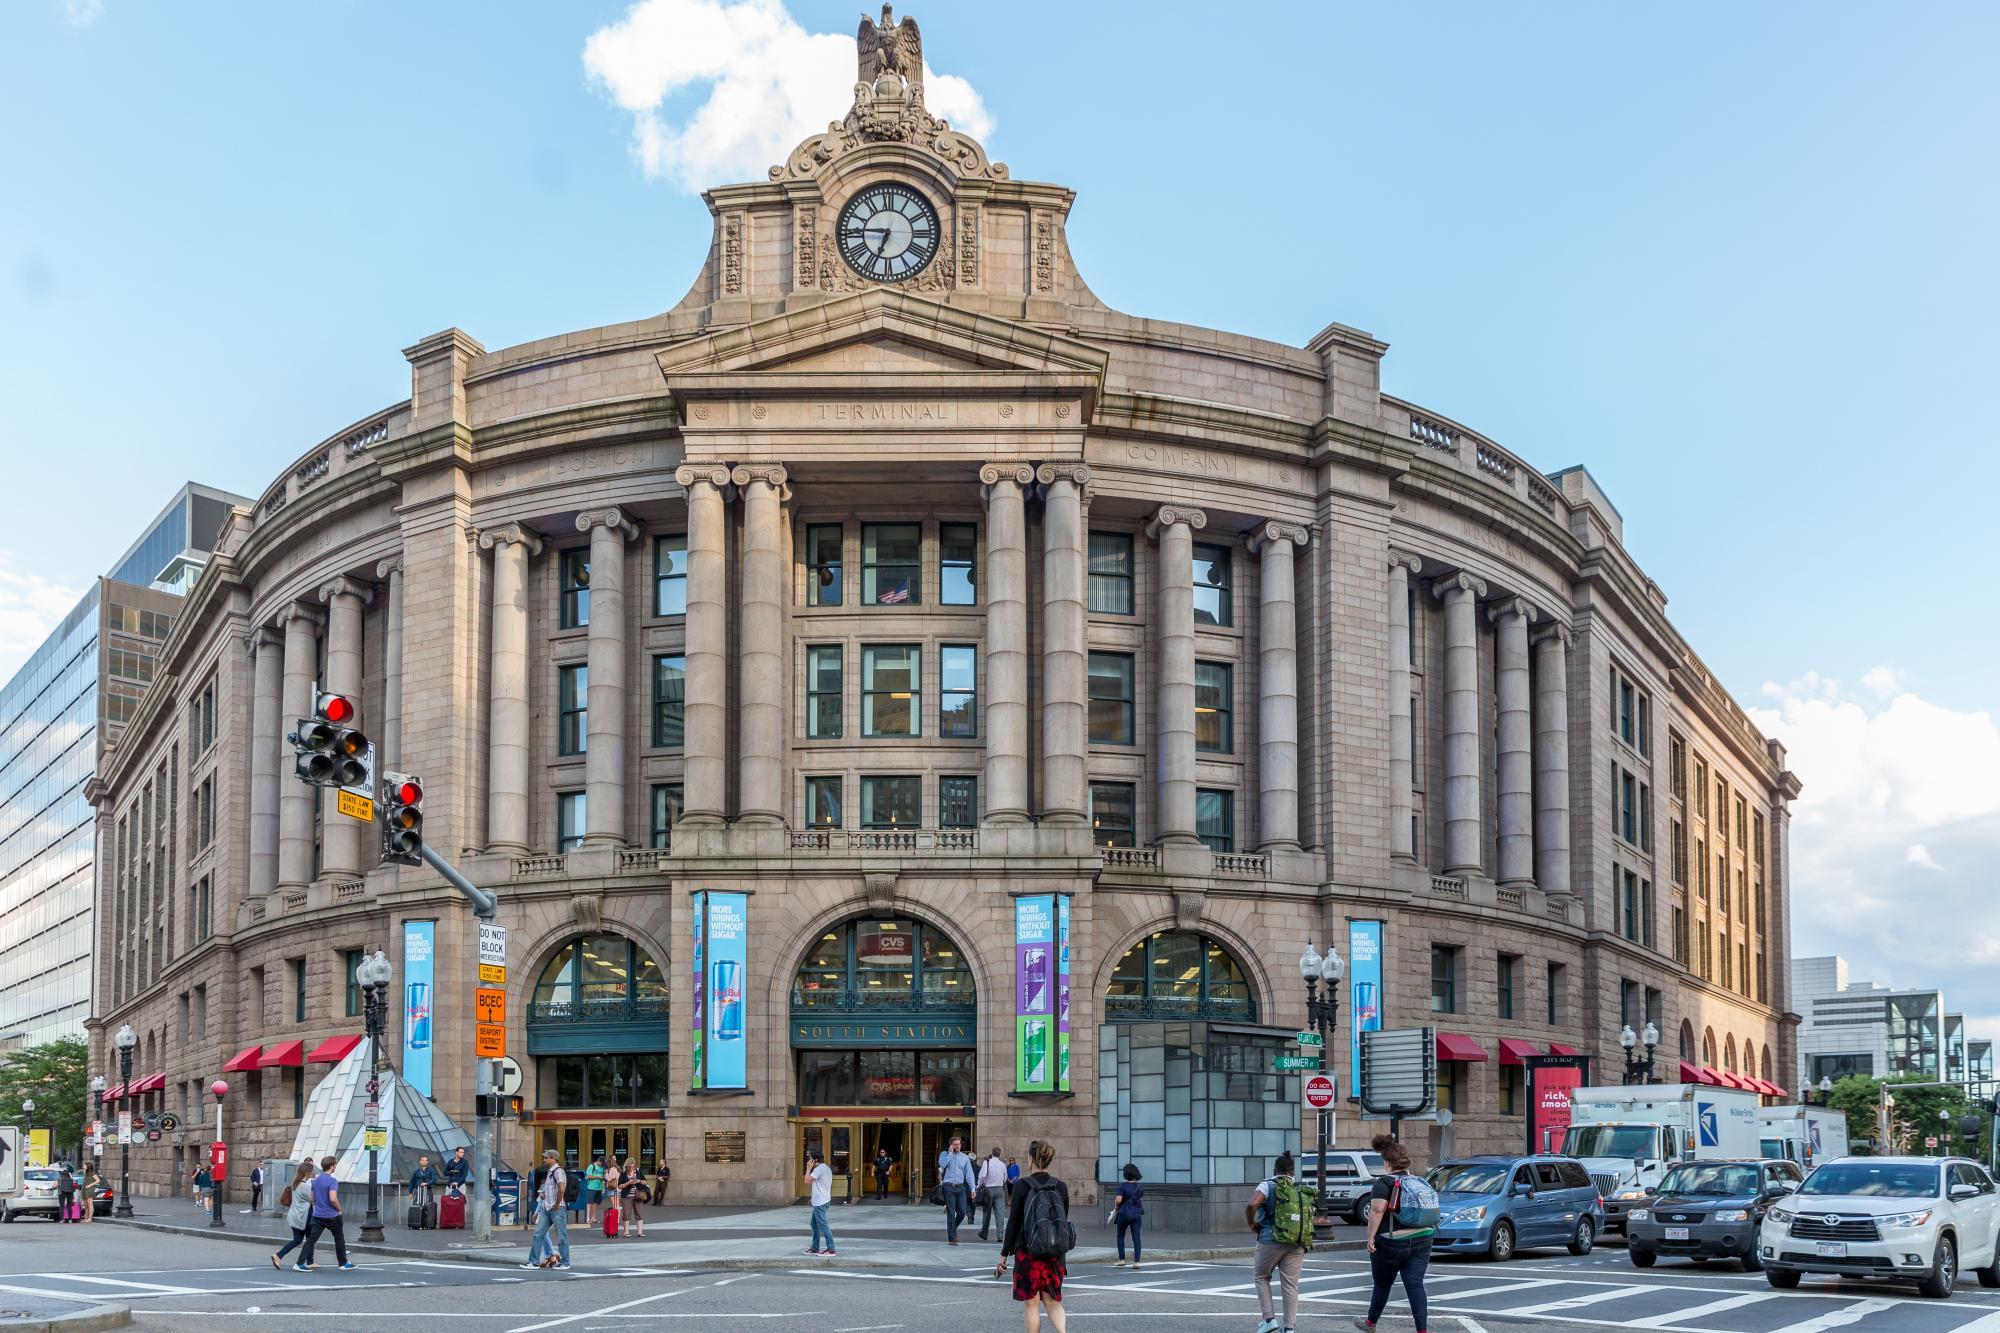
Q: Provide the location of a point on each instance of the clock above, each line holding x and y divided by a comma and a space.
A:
888, 233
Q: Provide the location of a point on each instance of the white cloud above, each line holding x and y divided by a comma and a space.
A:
1920, 855
1881, 680
30, 606
770, 83
82, 13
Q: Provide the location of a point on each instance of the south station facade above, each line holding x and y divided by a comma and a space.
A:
894, 695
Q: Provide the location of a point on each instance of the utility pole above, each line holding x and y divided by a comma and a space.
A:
486, 907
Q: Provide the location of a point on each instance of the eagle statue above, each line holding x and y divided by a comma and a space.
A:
890, 48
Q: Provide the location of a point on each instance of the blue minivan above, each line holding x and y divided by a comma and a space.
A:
1497, 1205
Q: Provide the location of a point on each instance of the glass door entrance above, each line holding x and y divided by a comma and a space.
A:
580, 1143
850, 1148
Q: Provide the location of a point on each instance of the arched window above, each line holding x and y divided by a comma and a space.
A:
1749, 1057
873, 965
1729, 1054
1766, 1069
1178, 974
1708, 1047
1687, 1040
599, 978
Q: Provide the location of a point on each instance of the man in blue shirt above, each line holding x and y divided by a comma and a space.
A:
955, 1173
326, 1217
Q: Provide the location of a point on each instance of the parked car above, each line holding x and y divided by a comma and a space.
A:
1709, 1210
1497, 1205
1911, 1219
36, 1197
1350, 1178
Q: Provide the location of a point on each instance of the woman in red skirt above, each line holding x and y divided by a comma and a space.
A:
1038, 1278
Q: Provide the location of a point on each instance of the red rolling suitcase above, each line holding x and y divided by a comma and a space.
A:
611, 1223
451, 1212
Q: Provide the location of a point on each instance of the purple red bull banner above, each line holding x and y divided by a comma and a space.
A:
1041, 993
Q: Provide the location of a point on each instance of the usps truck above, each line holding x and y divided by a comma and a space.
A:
1807, 1135
1627, 1137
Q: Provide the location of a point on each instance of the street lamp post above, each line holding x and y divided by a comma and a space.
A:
1825, 1090
1322, 1016
1638, 1069
218, 1156
126, 1040
28, 1110
373, 974
1944, 1132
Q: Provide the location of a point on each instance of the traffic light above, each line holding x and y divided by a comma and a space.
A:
402, 818
329, 750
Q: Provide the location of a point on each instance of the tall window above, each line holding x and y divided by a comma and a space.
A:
1111, 573
823, 801
1677, 767
890, 556
1504, 982
1742, 823
298, 990
1701, 869
958, 564
823, 565
1628, 804
1629, 887
1679, 851
669, 700
1628, 1004
1757, 840
670, 570
1215, 819
666, 812
1701, 786
958, 690
575, 567
349, 960
1177, 974
1680, 935
891, 801
204, 908
958, 801
825, 664
891, 681
572, 708
569, 820
1212, 586
1111, 813
1558, 1001
1646, 912
1213, 683
1110, 698
1512, 1078
1444, 979
1645, 817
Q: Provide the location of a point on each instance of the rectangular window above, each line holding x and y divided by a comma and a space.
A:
297, 1078
1742, 823
1701, 868
1677, 765
575, 575
1721, 808
208, 716
1645, 817
298, 990
569, 820
1511, 1100
1450, 1086
823, 565
1213, 692
1111, 573
1722, 880
1215, 819
1558, 1002
825, 691
1646, 912
1743, 969
891, 685
1707, 959
204, 921
1679, 834
666, 813
1212, 586
1628, 805
670, 571
958, 564
1653, 1006
1444, 980
1110, 699
349, 960
958, 801
891, 802
572, 708
958, 690
1509, 964
823, 802
1645, 741
669, 701
1111, 821
1680, 935
1728, 971
1628, 1003
890, 555
1627, 723
1629, 890
1701, 786
1757, 840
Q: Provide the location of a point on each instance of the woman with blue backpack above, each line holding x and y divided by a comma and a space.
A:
1402, 1218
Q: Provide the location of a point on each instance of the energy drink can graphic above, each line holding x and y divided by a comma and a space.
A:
726, 996
1035, 1054
1036, 970
1062, 1066
1367, 1007
417, 1015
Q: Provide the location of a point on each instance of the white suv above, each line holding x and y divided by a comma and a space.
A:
1350, 1179
1917, 1219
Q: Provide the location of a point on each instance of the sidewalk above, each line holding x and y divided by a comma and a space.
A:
869, 1235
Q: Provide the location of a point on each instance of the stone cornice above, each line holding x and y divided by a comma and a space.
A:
610, 517
1192, 421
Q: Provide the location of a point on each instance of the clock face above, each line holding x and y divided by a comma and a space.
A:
888, 233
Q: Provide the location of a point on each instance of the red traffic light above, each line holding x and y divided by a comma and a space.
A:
408, 792
336, 708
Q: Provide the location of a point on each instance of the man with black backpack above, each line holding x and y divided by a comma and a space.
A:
1280, 1212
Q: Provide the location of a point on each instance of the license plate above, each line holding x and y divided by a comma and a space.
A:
1832, 1249
1677, 1233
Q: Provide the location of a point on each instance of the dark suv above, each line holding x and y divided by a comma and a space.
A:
1709, 1210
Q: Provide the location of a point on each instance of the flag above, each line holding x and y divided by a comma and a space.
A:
899, 593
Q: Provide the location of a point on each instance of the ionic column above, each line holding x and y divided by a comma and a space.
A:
760, 766
1460, 594
270, 752
1402, 756
1515, 768
507, 718
1065, 652
343, 839
1277, 686
1006, 719
1173, 742
389, 736
705, 734
1551, 758
604, 744
295, 799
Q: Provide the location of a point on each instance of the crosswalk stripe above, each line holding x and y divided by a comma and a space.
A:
1576, 1302
1521, 1284
47, 1293
1983, 1324
160, 1287
1676, 1318
1852, 1314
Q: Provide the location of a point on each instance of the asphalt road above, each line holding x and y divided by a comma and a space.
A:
179, 1284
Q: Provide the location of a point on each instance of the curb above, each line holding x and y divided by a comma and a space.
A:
272, 1242
103, 1316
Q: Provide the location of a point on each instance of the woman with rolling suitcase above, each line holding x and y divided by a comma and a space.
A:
613, 1188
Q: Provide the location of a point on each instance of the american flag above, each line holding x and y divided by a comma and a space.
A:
899, 593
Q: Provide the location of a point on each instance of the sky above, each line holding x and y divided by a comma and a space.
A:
1736, 259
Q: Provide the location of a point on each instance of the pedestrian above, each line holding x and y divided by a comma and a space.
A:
992, 1184
819, 1184
256, 1189
65, 1194
297, 1201
204, 1188
1402, 1218
614, 1185
637, 1196
956, 1179
1038, 1237
551, 1216
458, 1170
1127, 1211
92, 1183
660, 1179
423, 1181
593, 1188
1280, 1213
883, 1163
326, 1216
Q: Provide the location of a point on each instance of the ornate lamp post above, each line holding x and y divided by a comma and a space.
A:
125, 1040
1322, 1016
373, 973
1825, 1090
218, 1161
1639, 1069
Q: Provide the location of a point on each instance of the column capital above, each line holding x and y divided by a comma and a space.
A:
1512, 606
1556, 631
610, 517
509, 533
773, 473
690, 475
1448, 584
1168, 516
1407, 559
391, 565
265, 636
992, 474
291, 611
342, 585
1275, 530
1049, 473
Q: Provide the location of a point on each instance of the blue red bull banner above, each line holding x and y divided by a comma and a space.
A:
419, 995
721, 962
1041, 993
1364, 974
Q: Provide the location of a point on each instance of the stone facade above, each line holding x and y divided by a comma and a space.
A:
1422, 695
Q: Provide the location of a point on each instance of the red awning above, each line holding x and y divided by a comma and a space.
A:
1777, 1091
1457, 1046
115, 1092
150, 1083
1699, 1074
1514, 1051
1768, 1088
243, 1061
1729, 1078
1557, 1048
332, 1051
286, 1055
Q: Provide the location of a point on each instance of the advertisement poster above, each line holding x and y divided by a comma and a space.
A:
1041, 993
698, 1014
419, 947
1062, 992
1364, 961
722, 951
1551, 1080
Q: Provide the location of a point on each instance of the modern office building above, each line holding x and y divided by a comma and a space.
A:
1863, 1027
69, 700
893, 694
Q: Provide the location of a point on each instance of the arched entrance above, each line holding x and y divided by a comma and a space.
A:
597, 1039
883, 1031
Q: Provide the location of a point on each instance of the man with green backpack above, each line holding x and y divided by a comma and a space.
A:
1280, 1212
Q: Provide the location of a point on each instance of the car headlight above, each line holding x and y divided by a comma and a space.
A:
1731, 1215
1476, 1213
1638, 1215
1908, 1220
1623, 1195
1782, 1214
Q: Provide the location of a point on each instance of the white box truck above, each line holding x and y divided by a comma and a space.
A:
1807, 1135
1627, 1136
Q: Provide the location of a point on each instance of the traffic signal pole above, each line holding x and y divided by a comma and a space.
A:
486, 907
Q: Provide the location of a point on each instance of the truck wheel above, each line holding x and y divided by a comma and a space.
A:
1782, 1278
1501, 1249
1944, 1271
1585, 1237
1643, 1258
